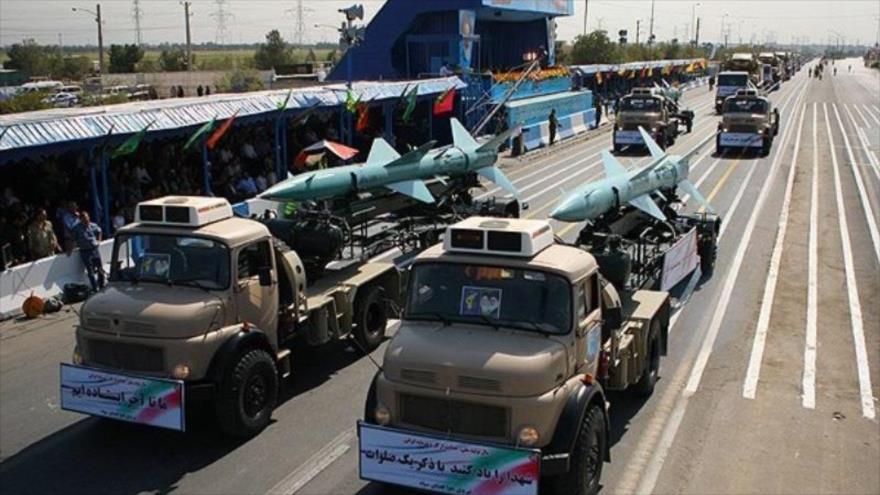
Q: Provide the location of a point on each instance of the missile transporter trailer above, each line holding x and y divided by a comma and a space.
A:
651, 109
205, 306
497, 375
749, 121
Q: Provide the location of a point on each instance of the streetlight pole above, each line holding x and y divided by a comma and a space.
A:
189, 59
97, 14
723, 37
638, 22
586, 9
651, 25
694, 18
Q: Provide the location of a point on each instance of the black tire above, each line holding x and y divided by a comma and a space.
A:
708, 252
615, 147
587, 458
661, 140
690, 126
768, 143
645, 386
718, 148
370, 317
248, 394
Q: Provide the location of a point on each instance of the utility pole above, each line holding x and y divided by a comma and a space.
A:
100, 40
638, 21
136, 13
651, 25
586, 9
697, 34
189, 59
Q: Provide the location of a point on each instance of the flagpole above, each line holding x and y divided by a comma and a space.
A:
206, 168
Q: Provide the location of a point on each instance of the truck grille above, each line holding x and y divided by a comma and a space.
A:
132, 357
454, 416
742, 128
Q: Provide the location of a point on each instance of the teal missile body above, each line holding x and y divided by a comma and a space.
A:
620, 186
385, 168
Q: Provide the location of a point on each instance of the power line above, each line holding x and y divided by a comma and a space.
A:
220, 16
136, 13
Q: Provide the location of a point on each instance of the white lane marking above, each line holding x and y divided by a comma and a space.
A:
750, 385
860, 185
852, 291
808, 382
871, 113
670, 427
866, 145
861, 115
730, 281
302, 475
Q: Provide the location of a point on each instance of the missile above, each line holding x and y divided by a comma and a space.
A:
385, 168
590, 200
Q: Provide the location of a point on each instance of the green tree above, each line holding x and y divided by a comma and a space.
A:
241, 81
311, 57
594, 48
173, 60
273, 53
333, 56
123, 58
28, 57
75, 68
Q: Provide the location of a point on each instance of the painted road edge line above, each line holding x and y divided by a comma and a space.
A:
310, 469
750, 385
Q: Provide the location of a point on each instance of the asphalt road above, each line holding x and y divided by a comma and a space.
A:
770, 385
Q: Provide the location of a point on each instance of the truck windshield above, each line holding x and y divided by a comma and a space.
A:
732, 79
171, 259
735, 105
489, 295
640, 104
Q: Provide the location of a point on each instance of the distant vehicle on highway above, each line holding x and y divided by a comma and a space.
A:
651, 109
748, 121
62, 100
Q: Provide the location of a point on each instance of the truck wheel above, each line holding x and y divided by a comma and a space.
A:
645, 385
765, 149
587, 458
718, 148
707, 252
615, 147
690, 125
371, 318
248, 394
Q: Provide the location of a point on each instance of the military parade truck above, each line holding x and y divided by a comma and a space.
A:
202, 305
771, 59
744, 62
729, 82
495, 381
748, 121
652, 109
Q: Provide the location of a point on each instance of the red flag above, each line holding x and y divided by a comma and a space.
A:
445, 103
218, 134
363, 121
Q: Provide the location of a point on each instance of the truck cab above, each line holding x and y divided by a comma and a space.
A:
651, 109
504, 345
207, 305
729, 82
774, 61
748, 121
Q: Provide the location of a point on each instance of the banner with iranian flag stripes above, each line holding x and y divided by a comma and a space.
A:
440, 465
150, 401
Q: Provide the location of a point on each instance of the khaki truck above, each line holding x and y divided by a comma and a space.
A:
495, 380
651, 109
748, 121
205, 306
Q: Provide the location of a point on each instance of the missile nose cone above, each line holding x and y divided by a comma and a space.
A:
571, 209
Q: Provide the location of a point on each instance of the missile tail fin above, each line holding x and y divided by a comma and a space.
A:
461, 137
381, 153
496, 141
495, 175
691, 189
612, 166
413, 156
647, 205
415, 189
653, 147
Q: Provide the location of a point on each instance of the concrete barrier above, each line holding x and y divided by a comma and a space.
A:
44, 278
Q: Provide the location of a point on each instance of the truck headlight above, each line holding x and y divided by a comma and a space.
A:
180, 371
528, 436
382, 415
77, 358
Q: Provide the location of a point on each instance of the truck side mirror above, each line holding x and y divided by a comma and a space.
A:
265, 274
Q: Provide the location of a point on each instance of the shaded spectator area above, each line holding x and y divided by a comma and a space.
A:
104, 160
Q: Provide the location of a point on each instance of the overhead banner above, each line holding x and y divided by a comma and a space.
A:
149, 401
558, 7
680, 260
445, 466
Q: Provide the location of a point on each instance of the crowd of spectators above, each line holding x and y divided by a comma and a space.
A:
45, 199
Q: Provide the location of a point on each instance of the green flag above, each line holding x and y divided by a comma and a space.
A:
283, 104
410, 103
131, 144
199, 133
350, 101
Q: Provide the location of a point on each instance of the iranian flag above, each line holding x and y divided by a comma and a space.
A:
220, 132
